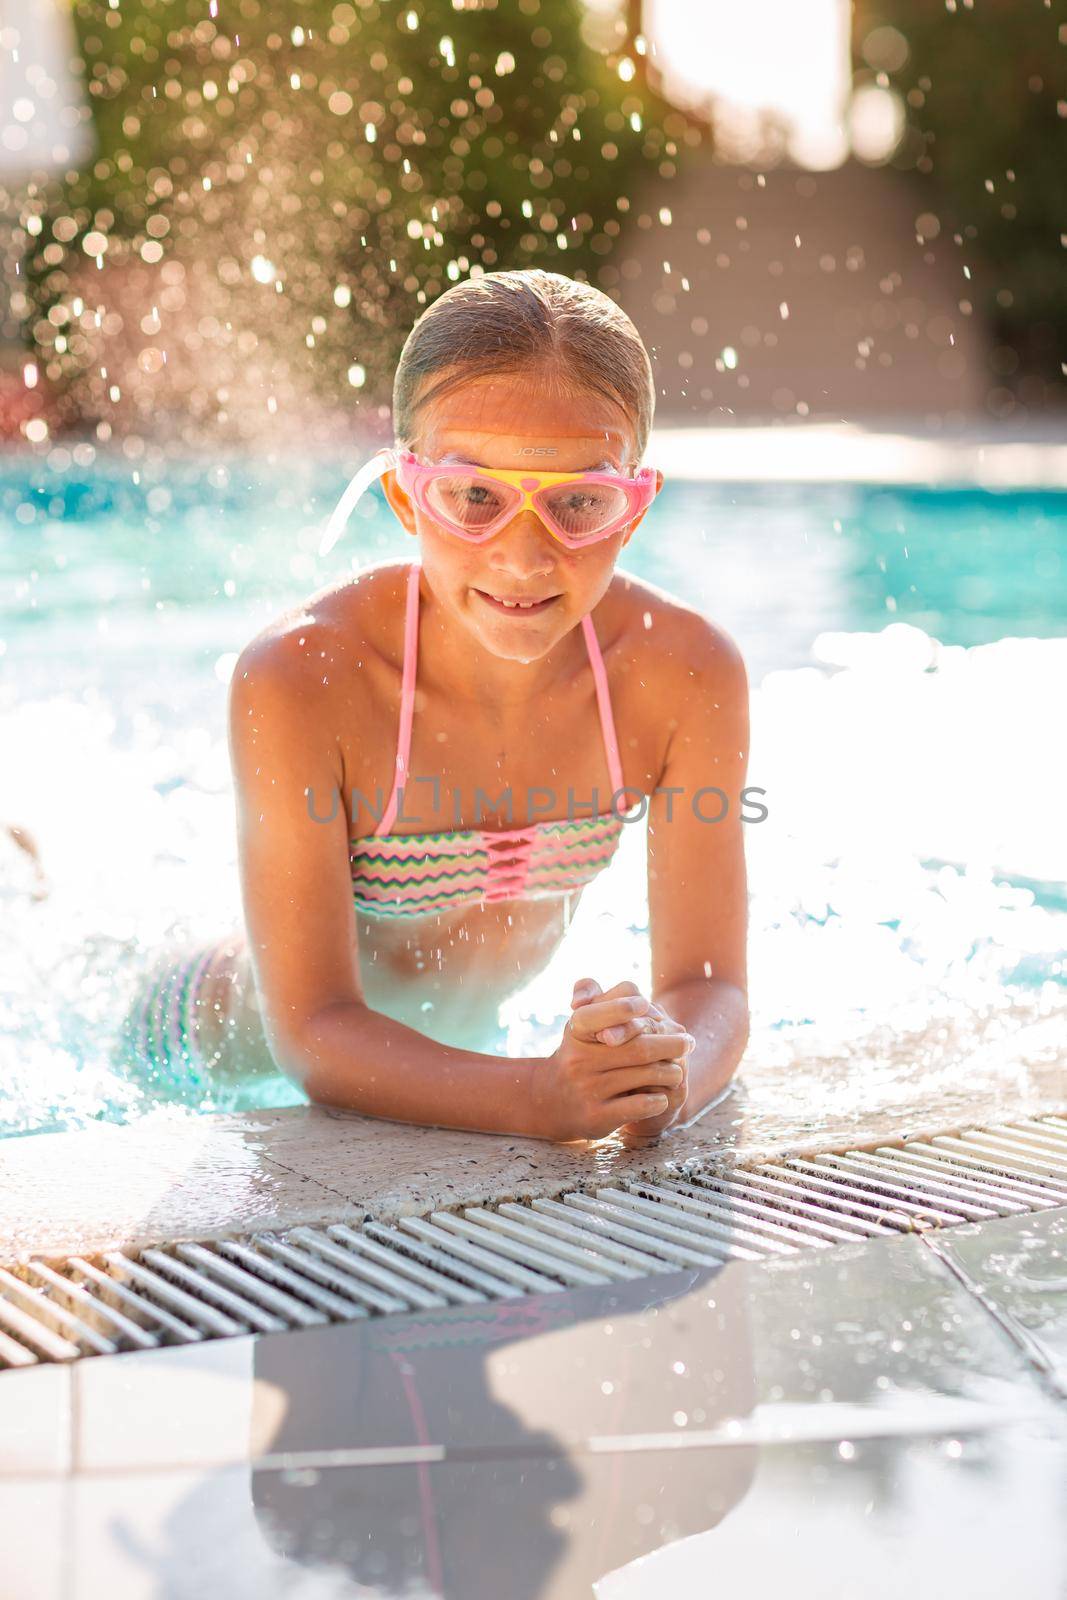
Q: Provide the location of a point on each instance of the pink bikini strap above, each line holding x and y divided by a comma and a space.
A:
407, 697
603, 700
407, 700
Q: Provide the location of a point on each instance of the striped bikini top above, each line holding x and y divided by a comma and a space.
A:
411, 874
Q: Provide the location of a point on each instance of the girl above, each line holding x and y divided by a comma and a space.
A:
432, 759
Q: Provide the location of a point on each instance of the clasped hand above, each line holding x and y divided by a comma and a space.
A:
621, 1067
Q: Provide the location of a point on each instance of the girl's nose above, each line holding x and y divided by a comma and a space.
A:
524, 547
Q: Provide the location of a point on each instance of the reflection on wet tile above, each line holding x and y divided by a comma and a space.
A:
877, 1519
853, 1422
882, 1328
880, 1518
183, 1536
873, 1338
1019, 1266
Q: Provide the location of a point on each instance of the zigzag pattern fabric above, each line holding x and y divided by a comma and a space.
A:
409, 875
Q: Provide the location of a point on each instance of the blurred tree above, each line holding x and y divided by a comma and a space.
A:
275, 197
984, 98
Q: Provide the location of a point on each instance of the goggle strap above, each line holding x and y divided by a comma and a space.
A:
357, 486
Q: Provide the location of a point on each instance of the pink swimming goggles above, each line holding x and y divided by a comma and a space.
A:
473, 503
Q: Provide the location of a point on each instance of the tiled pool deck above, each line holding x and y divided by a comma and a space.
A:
869, 1421
864, 1420
172, 1177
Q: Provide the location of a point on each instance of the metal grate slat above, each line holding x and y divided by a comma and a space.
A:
922, 1211
440, 1228
37, 1303
996, 1167
551, 1256
1021, 1154
202, 1284
554, 1214
697, 1214
96, 1310
383, 1290
472, 1266
519, 1224
1034, 1132
1017, 1197
665, 1241
846, 1198
250, 1289
466, 1283
23, 1328
13, 1354
791, 1200
137, 1306
899, 1178
403, 1265
731, 1200
351, 1296
264, 1266
740, 1242
201, 1316
733, 1216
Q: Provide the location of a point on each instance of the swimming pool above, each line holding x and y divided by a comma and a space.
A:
907, 660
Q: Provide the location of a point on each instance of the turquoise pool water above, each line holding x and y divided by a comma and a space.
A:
907, 660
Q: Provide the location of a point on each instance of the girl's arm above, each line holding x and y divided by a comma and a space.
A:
697, 885
296, 890
300, 922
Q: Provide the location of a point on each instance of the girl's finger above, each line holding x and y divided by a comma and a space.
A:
585, 989
618, 990
658, 1077
587, 1020
634, 1107
650, 1022
662, 1046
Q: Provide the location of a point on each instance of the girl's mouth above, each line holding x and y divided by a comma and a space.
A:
518, 608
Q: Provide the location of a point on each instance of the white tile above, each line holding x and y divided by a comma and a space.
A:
192, 1406
35, 1420
35, 1546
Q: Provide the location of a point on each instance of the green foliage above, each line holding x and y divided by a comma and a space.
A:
380, 150
984, 92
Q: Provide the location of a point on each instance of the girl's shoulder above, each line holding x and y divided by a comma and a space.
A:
653, 630
342, 622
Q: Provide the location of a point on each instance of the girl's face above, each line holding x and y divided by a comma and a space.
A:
489, 422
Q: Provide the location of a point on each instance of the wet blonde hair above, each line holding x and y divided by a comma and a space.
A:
569, 335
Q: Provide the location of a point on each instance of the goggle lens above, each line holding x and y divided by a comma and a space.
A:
473, 504
583, 511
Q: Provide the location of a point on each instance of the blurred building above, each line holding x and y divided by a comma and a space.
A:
792, 293
792, 279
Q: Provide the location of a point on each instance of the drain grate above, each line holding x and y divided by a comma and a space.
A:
695, 1214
